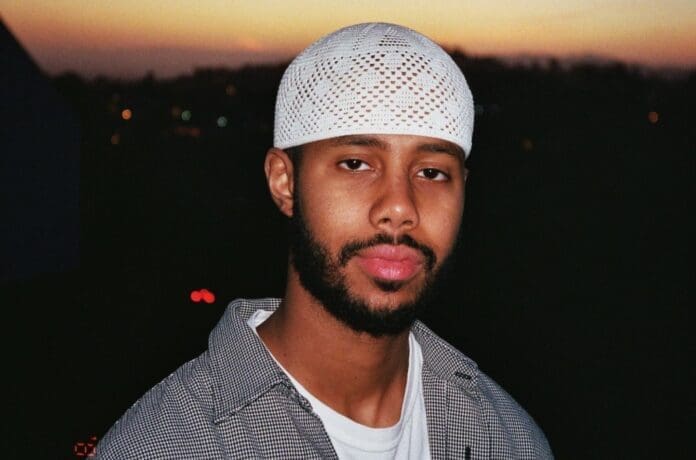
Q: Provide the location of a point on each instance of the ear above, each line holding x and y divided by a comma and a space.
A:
279, 176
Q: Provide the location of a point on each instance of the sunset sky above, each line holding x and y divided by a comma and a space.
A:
130, 37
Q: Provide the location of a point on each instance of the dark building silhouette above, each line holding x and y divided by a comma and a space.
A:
39, 170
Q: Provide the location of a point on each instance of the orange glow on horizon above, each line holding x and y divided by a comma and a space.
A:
65, 33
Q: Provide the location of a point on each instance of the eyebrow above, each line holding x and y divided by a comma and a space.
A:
370, 141
365, 141
449, 149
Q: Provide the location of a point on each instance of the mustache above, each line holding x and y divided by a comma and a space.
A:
352, 248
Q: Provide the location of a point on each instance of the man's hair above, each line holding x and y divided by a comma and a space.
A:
295, 155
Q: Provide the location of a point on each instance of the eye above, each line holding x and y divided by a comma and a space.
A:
354, 165
433, 174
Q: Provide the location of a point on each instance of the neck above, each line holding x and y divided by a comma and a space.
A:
359, 375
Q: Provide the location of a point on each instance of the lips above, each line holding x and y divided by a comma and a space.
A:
390, 263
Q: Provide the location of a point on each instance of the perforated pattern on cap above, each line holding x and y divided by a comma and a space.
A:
373, 78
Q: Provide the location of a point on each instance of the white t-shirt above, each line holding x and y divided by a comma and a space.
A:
408, 439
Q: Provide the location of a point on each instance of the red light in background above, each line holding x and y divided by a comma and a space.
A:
86, 449
204, 295
208, 297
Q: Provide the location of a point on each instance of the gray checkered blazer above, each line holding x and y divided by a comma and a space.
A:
233, 401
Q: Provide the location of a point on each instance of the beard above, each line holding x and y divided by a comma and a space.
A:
320, 274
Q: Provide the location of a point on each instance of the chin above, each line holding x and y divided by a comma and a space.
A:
391, 298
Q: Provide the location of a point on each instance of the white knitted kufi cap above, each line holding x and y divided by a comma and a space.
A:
373, 78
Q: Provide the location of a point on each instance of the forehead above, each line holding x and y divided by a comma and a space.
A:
389, 142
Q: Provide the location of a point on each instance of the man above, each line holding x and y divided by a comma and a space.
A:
373, 125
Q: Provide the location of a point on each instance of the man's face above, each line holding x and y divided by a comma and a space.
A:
374, 219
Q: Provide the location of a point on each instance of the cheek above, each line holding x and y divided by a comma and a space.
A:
331, 213
441, 219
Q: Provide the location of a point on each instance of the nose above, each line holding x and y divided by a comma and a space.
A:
394, 209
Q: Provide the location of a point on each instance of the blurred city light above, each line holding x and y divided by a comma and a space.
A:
208, 297
222, 121
126, 114
527, 145
186, 115
187, 131
204, 295
115, 139
86, 449
653, 117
